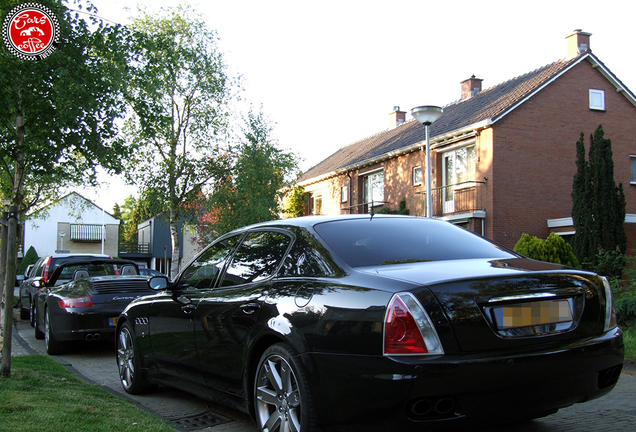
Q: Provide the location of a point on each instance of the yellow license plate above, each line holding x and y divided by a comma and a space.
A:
112, 322
534, 313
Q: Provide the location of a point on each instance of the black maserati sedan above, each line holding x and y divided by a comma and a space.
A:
82, 300
396, 322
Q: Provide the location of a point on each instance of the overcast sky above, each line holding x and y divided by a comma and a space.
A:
328, 73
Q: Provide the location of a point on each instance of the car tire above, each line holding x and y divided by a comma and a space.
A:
25, 313
129, 362
39, 334
53, 346
281, 392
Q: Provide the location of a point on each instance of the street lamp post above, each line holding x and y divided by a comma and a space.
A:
426, 115
62, 234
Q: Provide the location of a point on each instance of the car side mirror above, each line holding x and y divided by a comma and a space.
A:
158, 283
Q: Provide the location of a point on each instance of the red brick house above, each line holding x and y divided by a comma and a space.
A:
503, 158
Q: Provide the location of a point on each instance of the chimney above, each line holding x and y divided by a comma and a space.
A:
578, 42
471, 87
396, 118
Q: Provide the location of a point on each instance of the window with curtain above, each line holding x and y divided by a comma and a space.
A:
374, 187
460, 165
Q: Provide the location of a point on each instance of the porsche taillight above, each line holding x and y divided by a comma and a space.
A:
76, 302
408, 328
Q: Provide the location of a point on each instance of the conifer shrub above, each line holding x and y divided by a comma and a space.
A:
30, 257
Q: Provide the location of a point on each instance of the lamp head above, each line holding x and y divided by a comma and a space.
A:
426, 114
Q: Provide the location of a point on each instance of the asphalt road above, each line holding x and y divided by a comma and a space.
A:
96, 363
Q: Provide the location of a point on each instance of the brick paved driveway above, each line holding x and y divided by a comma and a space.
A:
615, 412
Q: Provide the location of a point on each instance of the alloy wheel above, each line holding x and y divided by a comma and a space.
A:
125, 358
278, 399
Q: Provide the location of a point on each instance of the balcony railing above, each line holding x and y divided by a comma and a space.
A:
465, 197
134, 248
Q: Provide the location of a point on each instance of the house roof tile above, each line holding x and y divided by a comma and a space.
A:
490, 104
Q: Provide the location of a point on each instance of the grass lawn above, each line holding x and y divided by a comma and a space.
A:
41, 395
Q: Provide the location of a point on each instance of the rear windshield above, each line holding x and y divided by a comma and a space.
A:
386, 241
84, 270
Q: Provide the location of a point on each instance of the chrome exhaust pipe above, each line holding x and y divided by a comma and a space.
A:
444, 406
422, 407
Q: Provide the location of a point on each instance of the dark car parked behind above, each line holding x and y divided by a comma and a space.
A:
82, 300
41, 270
403, 323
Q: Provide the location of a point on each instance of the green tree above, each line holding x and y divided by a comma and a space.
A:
294, 201
117, 215
178, 95
598, 205
57, 121
138, 210
252, 190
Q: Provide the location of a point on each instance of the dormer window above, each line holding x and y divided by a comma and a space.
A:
597, 99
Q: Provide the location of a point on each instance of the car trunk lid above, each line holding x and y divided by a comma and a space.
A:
493, 305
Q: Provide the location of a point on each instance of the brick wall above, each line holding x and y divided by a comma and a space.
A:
534, 151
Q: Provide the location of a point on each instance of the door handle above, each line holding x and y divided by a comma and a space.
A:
250, 308
188, 309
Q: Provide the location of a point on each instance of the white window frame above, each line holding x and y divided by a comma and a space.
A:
632, 169
344, 196
449, 198
315, 198
368, 195
597, 99
416, 182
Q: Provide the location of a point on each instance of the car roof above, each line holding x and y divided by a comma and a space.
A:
73, 255
310, 221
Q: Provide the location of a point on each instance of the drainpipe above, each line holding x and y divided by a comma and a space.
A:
349, 192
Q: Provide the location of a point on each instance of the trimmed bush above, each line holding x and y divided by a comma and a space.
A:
554, 249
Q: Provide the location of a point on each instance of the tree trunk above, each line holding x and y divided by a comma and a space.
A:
9, 283
176, 247
12, 249
3, 261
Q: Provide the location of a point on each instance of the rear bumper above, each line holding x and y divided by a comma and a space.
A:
411, 393
89, 325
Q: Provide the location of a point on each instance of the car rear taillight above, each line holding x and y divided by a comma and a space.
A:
610, 314
45, 271
408, 328
76, 302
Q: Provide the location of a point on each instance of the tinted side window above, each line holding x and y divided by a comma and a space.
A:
257, 258
202, 273
304, 261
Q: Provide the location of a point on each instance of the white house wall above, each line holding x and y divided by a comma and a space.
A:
42, 233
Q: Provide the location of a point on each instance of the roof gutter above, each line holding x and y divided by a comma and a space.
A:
456, 135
